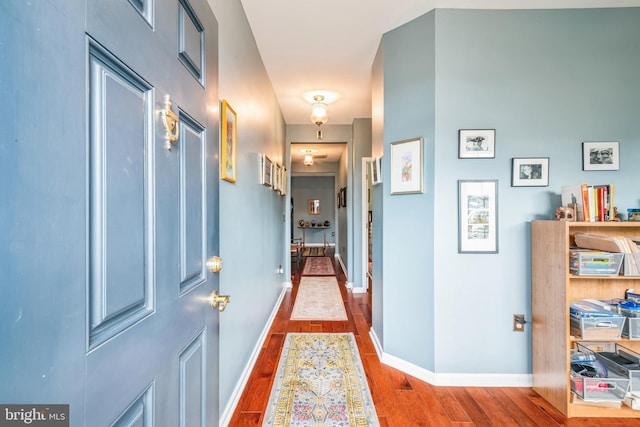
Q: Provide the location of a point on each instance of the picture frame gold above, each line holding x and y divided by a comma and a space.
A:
228, 142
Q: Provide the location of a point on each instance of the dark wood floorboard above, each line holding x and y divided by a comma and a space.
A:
400, 399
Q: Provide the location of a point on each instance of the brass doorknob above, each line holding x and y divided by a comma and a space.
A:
214, 264
219, 301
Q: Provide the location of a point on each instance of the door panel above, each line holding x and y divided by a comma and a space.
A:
192, 213
121, 264
109, 230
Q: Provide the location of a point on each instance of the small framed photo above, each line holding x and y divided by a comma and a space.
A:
266, 171
277, 177
405, 171
476, 143
376, 170
478, 216
283, 181
530, 172
600, 156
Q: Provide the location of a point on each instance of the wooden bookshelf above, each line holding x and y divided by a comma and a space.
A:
552, 288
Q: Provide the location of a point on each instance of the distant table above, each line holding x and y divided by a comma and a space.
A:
304, 234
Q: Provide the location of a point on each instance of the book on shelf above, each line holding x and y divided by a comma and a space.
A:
597, 202
619, 244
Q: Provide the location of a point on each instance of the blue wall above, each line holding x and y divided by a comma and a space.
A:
322, 188
408, 220
254, 238
546, 80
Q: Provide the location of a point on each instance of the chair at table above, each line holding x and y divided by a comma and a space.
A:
296, 251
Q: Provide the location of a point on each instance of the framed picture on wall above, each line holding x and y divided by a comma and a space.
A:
478, 216
600, 156
375, 171
283, 181
266, 171
277, 171
476, 143
228, 142
530, 172
405, 170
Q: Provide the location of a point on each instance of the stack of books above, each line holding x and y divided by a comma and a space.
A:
593, 203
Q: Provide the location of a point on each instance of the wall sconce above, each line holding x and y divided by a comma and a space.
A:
319, 110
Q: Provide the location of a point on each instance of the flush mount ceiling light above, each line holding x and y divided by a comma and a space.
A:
319, 110
308, 157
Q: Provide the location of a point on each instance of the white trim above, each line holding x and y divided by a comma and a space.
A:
450, 379
225, 416
365, 224
348, 284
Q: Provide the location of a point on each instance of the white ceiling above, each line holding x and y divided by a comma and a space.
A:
330, 45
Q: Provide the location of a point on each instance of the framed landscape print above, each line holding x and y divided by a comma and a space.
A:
478, 216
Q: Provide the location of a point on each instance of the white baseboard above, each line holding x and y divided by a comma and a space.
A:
225, 416
450, 379
348, 284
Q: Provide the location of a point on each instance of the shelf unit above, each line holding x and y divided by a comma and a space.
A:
552, 288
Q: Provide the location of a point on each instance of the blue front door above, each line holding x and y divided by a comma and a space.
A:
105, 223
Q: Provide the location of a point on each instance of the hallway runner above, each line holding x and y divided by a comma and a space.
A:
320, 381
318, 298
313, 251
318, 266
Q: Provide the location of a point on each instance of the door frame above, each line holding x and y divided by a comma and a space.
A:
365, 221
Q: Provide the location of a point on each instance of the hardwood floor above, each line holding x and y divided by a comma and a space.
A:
400, 399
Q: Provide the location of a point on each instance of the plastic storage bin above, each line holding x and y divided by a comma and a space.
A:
631, 265
631, 310
597, 328
618, 360
594, 263
600, 389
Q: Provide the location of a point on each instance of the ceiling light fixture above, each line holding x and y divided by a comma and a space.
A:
308, 160
319, 110
308, 157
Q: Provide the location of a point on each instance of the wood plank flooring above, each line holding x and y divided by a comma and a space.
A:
400, 399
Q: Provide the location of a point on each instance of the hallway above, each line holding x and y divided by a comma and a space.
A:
400, 399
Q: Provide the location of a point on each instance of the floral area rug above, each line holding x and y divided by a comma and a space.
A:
320, 382
318, 298
318, 266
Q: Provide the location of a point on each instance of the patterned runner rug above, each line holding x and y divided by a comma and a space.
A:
318, 298
320, 382
319, 266
313, 251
